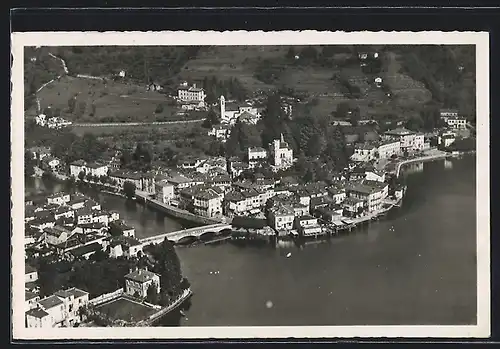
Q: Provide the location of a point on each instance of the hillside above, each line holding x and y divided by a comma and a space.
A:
328, 75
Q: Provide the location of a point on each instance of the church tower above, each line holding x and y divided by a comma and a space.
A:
222, 107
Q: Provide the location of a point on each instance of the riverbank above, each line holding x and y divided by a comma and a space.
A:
186, 294
437, 156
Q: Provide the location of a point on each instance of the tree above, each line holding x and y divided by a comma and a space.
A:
152, 295
129, 189
211, 119
81, 175
159, 109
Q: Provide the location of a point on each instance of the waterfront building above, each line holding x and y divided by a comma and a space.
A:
307, 226
281, 218
281, 154
94, 169
164, 191
388, 148
137, 282
445, 139
192, 93
373, 193
208, 202
352, 207
409, 140
120, 177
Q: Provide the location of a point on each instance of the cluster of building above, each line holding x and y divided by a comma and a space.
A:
452, 119
70, 227
53, 122
393, 143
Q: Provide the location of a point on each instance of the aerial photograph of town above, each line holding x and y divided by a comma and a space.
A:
327, 185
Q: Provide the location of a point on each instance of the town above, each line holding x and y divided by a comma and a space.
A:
251, 193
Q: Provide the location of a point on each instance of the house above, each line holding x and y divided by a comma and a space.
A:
448, 113
220, 132
54, 306
281, 218
164, 191
56, 235
85, 251
59, 198
256, 155
30, 300
153, 86
281, 154
120, 177
89, 228
64, 212
83, 215
457, 122
100, 217
364, 152
77, 202
337, 193
113, 216
307, 226
128, 246
122, 229
238, 203
334, 213
371, 192
187, 93
30, 274
38, 318
94, 169
375, 175
73, 299
137, 282
445, 139
213, 164
92, 205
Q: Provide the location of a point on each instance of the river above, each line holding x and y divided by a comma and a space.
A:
415, 267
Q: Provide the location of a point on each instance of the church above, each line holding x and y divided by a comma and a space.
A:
231, 112
281, 154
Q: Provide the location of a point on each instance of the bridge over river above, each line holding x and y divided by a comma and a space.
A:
196, 232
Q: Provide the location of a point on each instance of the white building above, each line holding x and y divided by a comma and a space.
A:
208, 202
307, 226
59, 198
281, 154
93, 168
138, 282
409, 140
372, 193
364, 152
388, 148
448, 113
457, 123
164, 191
282, 218
256, 154
187, 93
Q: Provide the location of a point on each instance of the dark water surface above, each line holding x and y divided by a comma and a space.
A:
416, 267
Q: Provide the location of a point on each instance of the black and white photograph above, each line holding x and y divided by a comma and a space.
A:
250, 185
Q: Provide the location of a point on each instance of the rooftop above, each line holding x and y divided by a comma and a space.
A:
75, 292
400, 131
83, 250
29, 295
50, 302
37, 312
141, 275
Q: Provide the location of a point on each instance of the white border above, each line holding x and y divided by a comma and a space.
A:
480, 39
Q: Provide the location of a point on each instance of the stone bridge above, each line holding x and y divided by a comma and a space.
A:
176, 236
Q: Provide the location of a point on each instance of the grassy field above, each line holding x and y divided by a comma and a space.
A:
114, 101
124, 309
166, 130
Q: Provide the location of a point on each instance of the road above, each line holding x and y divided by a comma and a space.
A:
118, 124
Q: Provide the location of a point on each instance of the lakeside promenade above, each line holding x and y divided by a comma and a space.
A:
436, 156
